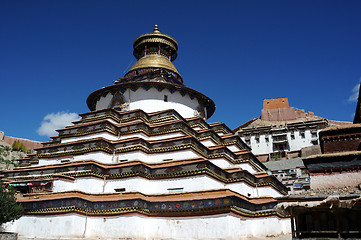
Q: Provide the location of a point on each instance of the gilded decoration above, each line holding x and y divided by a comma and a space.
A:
151, 131
154, 50
148, 147
209, 206
157, 40
153, 61
182, 169
151, 74
218, 205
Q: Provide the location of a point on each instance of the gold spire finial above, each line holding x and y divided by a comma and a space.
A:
156, 30
155, 50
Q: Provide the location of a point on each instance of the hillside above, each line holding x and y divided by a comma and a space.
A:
12, 148
8, 156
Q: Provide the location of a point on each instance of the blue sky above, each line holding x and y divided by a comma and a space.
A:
53, 54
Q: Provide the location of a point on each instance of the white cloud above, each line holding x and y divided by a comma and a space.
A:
54, 121
354, 95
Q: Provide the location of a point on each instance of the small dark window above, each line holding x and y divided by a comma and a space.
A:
175, 189
165, 98
119, 189
302, 134
168, 159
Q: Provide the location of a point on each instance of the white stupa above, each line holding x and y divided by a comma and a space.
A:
145, 164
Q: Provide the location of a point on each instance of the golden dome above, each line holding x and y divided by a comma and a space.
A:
154, 61
155, 37
154, 50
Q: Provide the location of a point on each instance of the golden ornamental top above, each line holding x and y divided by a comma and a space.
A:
156, 30
155, 51
155, 42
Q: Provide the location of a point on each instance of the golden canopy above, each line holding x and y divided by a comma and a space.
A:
154, 50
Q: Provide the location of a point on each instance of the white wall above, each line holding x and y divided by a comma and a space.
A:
208, 143
295, 144
161, 186
90, 136
222, 226
112, 137
223, 163
103, 157
150, 158
233, 148
153, 101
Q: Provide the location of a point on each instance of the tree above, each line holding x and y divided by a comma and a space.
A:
16, 145
10, 210
22, 147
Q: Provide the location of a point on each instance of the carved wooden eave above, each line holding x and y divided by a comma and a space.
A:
166, 205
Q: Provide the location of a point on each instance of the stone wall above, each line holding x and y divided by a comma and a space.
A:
341, 138
312, 150
341, 145
274, 103
28, 143
335, 180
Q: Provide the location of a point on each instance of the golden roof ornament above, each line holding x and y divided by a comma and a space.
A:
156, 30
154, 51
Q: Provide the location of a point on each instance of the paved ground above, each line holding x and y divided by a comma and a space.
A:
283, 237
